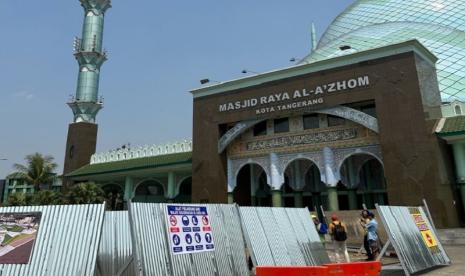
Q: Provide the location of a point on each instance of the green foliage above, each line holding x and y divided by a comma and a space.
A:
47, 197
20, 199
85, 193
15, 228
39, 169
9, 239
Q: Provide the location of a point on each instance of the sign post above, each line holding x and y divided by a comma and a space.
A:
189, 229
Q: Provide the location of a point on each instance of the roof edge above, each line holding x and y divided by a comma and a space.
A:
72, 175
306, 68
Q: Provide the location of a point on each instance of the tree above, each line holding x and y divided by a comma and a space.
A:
85, 193
39, 169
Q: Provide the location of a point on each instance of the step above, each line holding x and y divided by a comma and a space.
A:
454, 236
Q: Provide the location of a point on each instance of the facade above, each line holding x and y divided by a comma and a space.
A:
342, 132
90, 55
157, 173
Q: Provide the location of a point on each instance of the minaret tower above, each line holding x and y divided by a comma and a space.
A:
90, 55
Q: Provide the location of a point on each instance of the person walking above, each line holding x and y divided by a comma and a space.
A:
338, 232
363, 222
321, 228
372, 236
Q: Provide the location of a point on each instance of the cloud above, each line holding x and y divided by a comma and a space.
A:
23, 94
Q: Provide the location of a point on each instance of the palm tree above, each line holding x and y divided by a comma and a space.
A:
39, 169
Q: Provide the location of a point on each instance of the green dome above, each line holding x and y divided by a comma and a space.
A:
438, 25
446, 13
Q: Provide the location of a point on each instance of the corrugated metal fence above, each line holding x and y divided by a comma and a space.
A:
408, 241
282, 236
151, 246
115, 251
66, 244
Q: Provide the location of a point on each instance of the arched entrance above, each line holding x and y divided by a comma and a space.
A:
114, 196
185, 191
252, 188
302, 185
362, 182
149, 191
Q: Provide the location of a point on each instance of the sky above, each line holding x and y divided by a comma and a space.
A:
158, 52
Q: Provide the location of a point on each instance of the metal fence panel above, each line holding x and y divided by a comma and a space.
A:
115, 250
66, 243
255, 236
152, 248
305, 230
413, 253
282, 236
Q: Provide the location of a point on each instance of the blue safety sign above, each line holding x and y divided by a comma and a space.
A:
198, 238
189, 229
176, 239
195, 220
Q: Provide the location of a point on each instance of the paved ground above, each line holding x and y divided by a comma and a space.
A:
392, 266
19, 255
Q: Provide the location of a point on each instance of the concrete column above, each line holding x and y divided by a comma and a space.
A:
171, 187
230, 198
277, 198
351, 173
352, 199
332, 199
459, 158
128, 188
299, 199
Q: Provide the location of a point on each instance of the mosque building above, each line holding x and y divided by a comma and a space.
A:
374, 114
371, 115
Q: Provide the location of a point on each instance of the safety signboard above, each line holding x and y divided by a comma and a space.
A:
428, 237
189, 229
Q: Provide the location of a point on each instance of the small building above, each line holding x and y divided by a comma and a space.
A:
157, 173
15, 183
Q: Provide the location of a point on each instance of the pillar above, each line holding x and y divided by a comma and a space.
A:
277, 198
128, 188
459, 158
333, 203
277, 180
230, 198
299, 199
171, 187
353, 199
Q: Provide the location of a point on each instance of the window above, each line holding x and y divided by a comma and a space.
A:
259, 129
458, 110
71, 152
281, 125
311, 121
369, 109
335, 121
